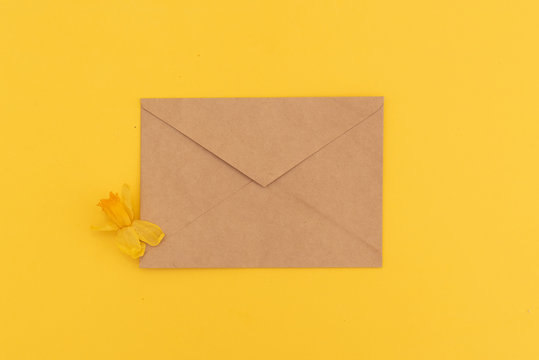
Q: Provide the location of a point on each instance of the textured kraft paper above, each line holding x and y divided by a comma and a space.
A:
263, 182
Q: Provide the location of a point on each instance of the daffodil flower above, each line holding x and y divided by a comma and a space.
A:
131, 235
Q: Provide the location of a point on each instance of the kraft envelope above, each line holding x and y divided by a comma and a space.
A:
263, 182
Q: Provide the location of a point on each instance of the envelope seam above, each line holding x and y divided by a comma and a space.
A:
326, 217
210, 209
203, 147
323, 147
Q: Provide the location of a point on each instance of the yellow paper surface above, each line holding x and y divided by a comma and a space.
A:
461, 194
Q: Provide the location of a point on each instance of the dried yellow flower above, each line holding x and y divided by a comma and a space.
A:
131, 235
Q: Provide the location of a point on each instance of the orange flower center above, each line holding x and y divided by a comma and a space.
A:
116, 210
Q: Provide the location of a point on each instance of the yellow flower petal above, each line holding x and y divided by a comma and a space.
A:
148, 232
115, 210
126, 200
108, 227
128, 241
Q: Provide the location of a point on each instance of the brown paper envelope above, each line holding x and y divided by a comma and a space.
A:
263, 182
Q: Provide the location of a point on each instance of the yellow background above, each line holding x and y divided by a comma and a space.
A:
461, 198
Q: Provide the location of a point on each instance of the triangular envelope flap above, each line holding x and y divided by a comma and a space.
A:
263, 137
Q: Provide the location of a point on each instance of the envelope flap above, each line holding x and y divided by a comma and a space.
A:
263, 137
